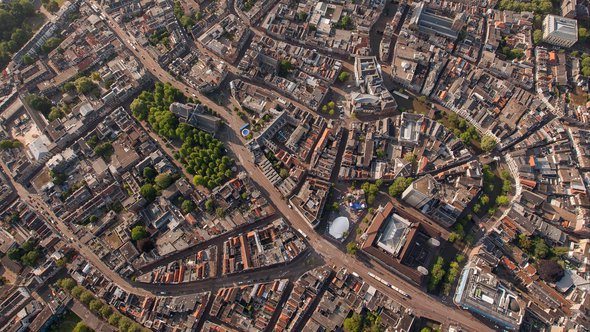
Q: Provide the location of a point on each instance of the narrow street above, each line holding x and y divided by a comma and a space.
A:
422, 303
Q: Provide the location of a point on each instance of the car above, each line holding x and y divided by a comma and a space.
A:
289, 206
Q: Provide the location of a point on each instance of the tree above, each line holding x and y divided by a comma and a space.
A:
353, 323
220, 212
148, 192
39, 103
86, 297
537, 36
52, 6
301, 16
209, 204
343, 76
550, 271
436, 273
285, 67
488, 143
345, 22
55, 113
81, 327
187, 206
410, 157
145, 245
138, 233
62, 262
524, 243
352, 248
66, 283
124, 324
96, 306
9, 144
149, 174
51, 44
104, 150
84, 85
453, 237
95, 76
163, 180
422, 99
30, 258
114, 319
77, 291
139, 109
426, 329
541, 250
399, 185
106, 311
484, 200
135, 328
583, 34
506, 186
28, 60
284, 173
502, 200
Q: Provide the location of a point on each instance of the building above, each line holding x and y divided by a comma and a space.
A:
427, 195
560, 31
427, 21
195, 116
39, 148
568, 8
374, 97
480, 291
401, 242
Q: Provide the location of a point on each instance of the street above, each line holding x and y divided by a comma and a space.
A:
421, 303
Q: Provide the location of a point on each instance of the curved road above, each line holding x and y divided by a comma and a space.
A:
421, 303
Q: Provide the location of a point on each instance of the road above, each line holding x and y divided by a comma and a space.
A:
292, 270
68, 236
421, 303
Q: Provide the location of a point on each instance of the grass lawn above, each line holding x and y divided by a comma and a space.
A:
65, 323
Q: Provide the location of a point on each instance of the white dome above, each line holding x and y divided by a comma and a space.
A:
338, 227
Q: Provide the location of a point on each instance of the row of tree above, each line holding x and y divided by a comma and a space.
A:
366, 321
438, 273
27, 254
201, 154
536, 6
101, 309
6, 144
14, 28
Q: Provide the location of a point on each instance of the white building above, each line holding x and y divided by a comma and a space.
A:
39, 148
560, 31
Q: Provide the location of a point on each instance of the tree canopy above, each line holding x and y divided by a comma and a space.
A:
343, 77
15, 29
399, 185
148, 192
39, 103
9, 144
436, 273
488, 143
163, 180
84, 85
550, 270
201, 154
187, 206
366, 321
138, 233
